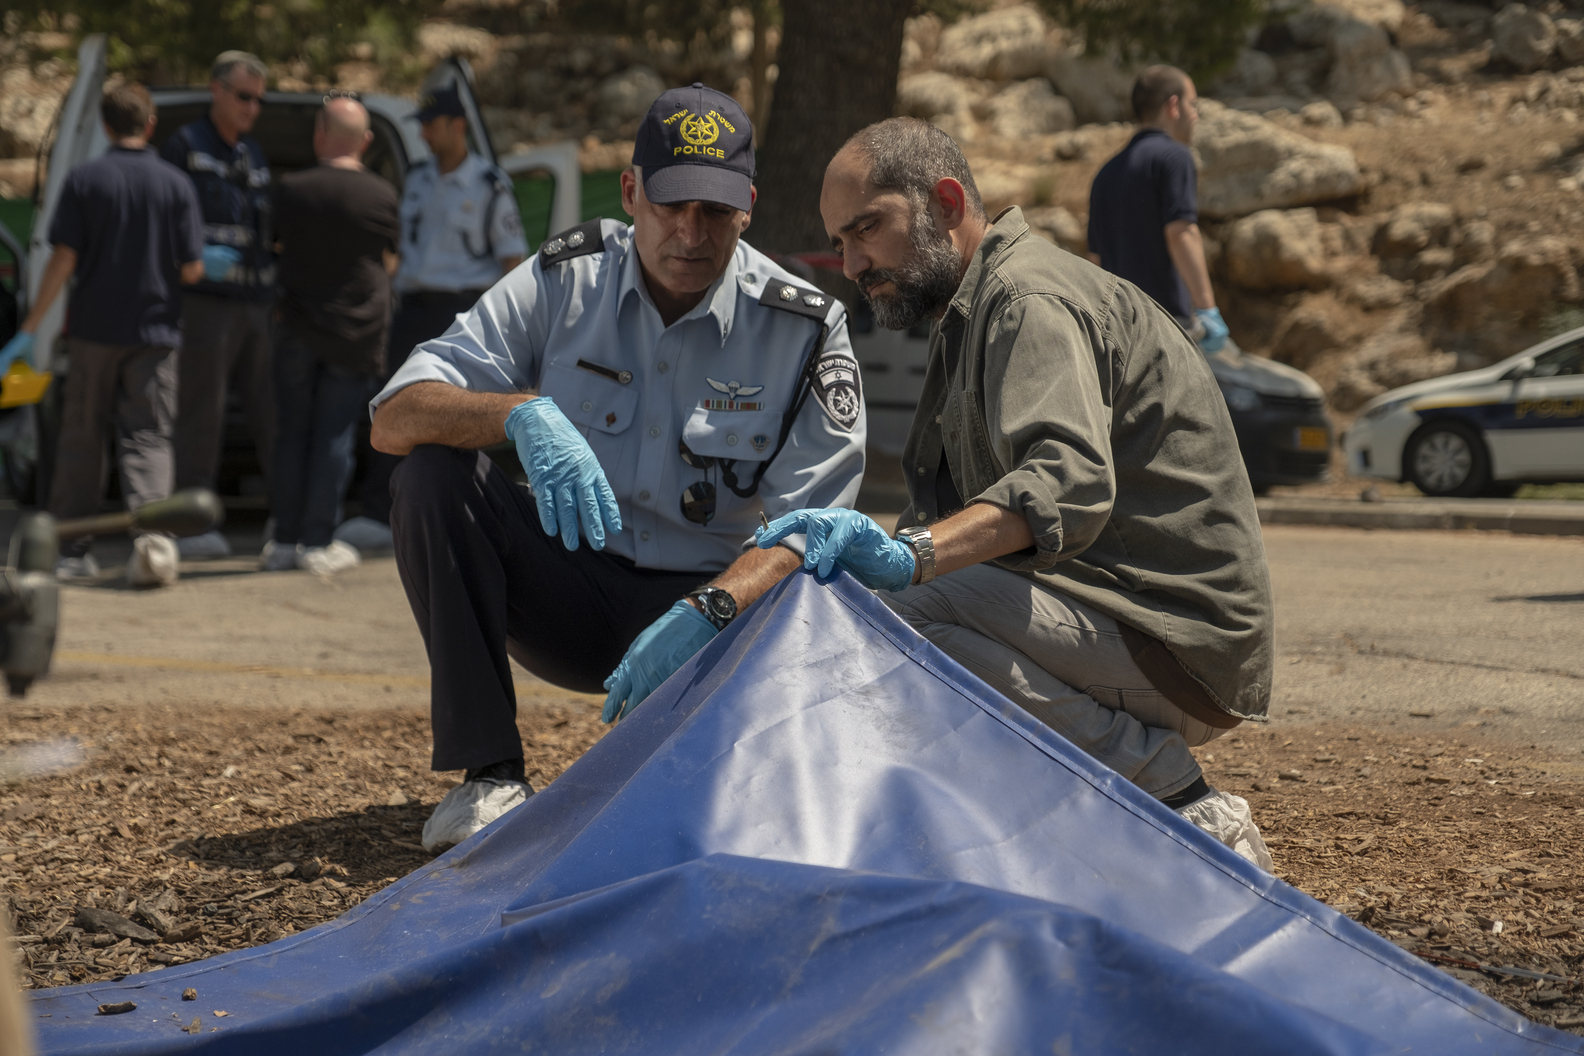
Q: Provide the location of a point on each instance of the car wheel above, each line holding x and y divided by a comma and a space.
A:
1447, 458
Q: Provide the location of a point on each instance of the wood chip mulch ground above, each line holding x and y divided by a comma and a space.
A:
187, 834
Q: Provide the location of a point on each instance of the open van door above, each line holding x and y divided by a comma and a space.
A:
78, 138
560, 160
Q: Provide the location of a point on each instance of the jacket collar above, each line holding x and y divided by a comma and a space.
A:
1005, 229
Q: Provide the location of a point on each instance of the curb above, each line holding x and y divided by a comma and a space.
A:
1535, 517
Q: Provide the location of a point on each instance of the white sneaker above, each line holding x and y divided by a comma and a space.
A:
469, 807
328, 560
1227, 818
68, 569
280, 557
208, 545
366, 534
153, 562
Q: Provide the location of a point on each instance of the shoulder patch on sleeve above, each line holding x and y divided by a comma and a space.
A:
579, 241
838, 388
798, 299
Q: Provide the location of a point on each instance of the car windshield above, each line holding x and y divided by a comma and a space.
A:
1560, 362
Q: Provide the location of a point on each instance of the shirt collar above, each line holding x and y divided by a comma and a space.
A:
462, 171
720, 300
1006, 227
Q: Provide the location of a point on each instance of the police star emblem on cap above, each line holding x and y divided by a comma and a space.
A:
696, 144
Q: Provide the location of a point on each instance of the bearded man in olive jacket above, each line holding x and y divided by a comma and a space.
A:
1082, 534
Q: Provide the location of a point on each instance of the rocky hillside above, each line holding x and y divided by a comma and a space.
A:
1388, 191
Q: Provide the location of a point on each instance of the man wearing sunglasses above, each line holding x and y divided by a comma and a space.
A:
226, 333
664, 385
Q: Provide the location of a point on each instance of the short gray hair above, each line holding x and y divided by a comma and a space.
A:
909, 155
227, 61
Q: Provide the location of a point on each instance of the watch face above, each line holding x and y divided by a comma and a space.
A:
722, 604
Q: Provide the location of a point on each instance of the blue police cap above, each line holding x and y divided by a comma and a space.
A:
696, 145
442, 102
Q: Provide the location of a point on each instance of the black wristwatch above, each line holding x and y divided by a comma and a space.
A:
718, 606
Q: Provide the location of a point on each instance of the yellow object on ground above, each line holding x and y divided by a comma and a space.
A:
22, 385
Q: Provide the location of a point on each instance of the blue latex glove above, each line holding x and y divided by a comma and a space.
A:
19, 347
664, 646
219, 260
846, 538
565, 475
1216, 332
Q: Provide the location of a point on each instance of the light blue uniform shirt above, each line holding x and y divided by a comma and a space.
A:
456, 228
719, 378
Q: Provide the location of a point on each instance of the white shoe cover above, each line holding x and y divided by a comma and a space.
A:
469, 807
328, 560
153, 562
1227, 818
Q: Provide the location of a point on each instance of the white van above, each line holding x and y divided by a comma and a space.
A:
285, 131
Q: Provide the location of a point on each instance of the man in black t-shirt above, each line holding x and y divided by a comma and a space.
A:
128, 227
337, 228
1144, 208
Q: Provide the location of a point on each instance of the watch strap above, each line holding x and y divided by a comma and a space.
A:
923, 544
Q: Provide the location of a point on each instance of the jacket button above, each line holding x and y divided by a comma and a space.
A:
654, 430
588, 406
644, 537
663, 366
937, 419
643, 496
921, 471
731, 439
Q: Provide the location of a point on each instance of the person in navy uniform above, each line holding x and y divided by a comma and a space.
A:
460, 233
665, 385
226, 325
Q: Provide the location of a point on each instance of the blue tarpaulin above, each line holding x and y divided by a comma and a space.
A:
821, 836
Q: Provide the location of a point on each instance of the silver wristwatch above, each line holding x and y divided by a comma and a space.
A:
923, 544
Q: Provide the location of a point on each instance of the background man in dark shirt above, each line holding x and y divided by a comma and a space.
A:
337, 228
129, 229
1144, 208
226, 317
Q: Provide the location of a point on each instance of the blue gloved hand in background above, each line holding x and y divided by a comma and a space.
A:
219, 260
846, 538
1216, 332
566, 477
654, 656
19, 347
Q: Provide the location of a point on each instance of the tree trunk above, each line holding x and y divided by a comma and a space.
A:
760, 62
838, 62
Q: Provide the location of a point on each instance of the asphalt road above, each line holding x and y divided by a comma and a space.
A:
1483, 631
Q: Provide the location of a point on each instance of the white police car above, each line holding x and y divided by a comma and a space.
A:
1481, 432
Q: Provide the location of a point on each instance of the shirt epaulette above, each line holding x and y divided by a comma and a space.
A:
577, 241
790, 298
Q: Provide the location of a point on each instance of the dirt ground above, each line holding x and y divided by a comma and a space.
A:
216, 834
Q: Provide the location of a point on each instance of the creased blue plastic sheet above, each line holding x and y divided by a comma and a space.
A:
820, 836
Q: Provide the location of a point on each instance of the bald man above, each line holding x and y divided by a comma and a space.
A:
337, 225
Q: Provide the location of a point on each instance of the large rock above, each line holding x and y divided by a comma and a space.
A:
627, 96
1099, 88
1496, 306
1026, 108
1364, 65
1006, 45
1277, 249
1253, 73
1570, 41
1414, 227
932, 94
29, 99
1247, 163
1522, 38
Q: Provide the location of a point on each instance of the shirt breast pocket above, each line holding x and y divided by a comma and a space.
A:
588, 399
746, 435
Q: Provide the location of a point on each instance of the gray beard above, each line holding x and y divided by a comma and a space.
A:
924, 284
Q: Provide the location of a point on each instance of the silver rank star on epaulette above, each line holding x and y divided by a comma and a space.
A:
789, 293
554, 246
575, 240
813, 300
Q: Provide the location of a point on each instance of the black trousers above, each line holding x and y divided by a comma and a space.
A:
420, 317
486, 584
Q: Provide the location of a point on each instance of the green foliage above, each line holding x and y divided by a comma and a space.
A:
175, 41
1200, 36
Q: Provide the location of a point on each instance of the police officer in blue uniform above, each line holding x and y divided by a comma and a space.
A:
460, 233
226, 324
664, 384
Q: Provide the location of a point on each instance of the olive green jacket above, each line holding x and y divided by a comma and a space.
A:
1065, 393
